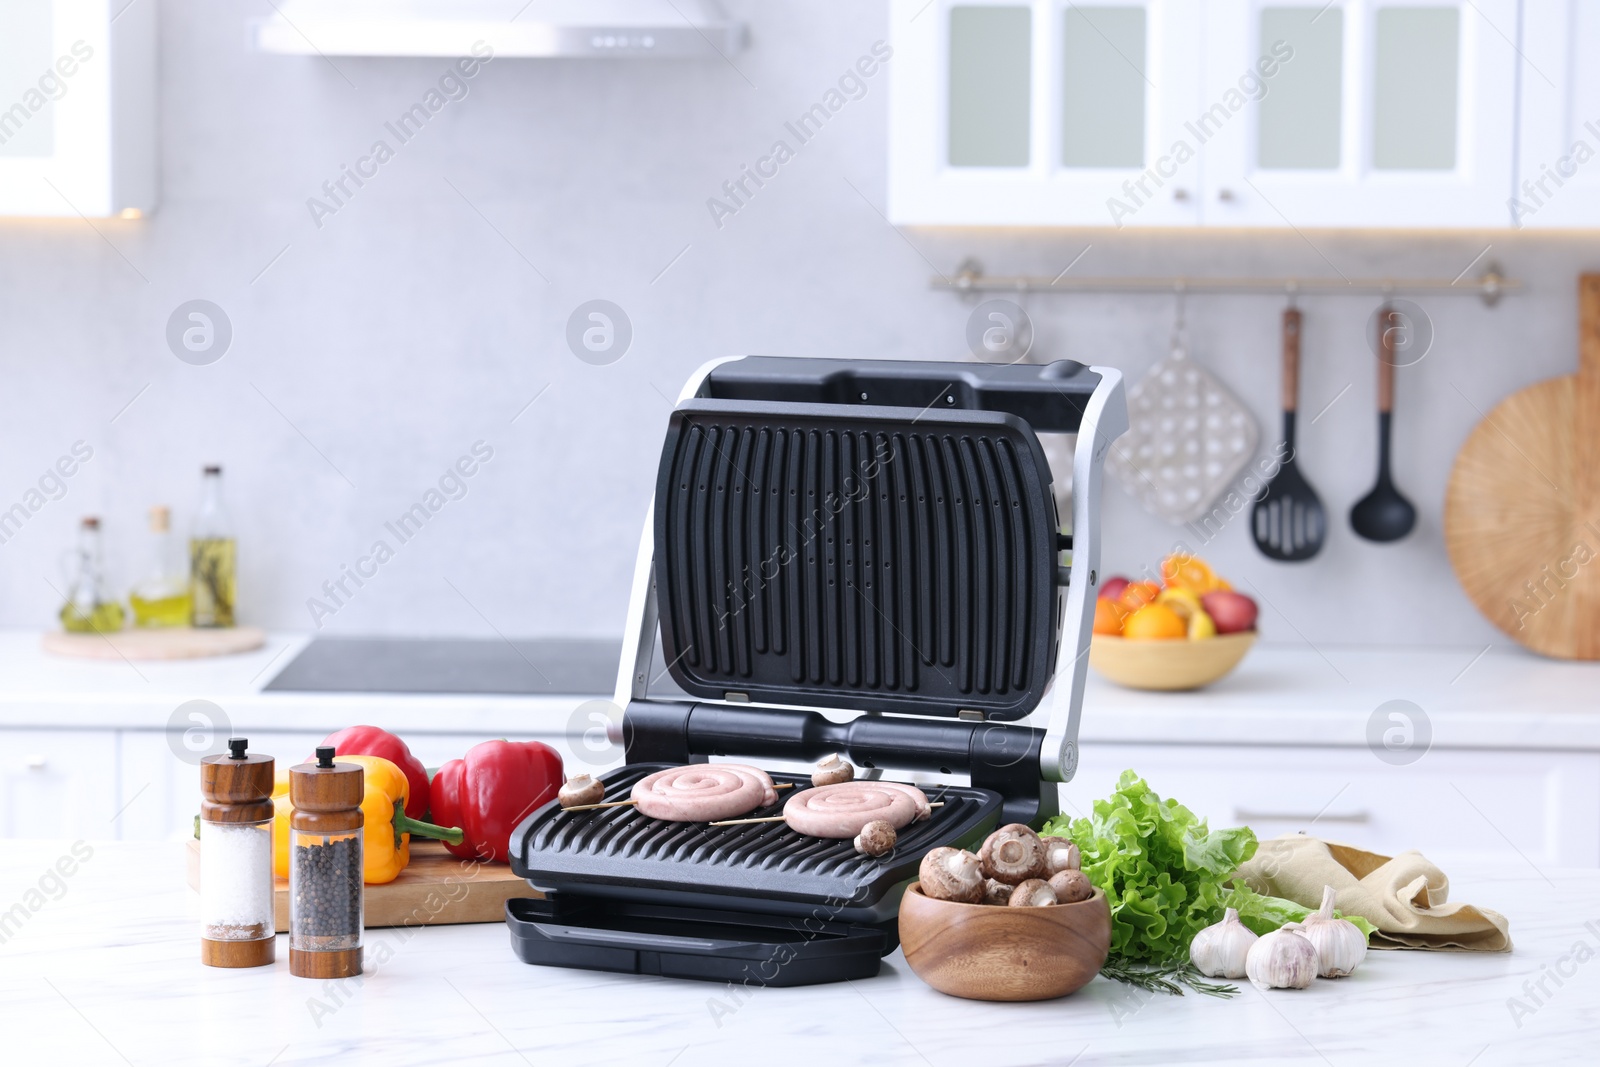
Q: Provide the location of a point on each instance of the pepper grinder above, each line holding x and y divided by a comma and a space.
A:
236, 859
325, 891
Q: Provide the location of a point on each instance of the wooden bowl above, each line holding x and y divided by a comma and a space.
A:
991, 952
1172, 664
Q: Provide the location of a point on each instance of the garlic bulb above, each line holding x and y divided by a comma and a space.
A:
1282, 960
1218, 951
1340, 944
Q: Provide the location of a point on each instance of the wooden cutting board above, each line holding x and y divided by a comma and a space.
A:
1522, 512
177, 642
435, 889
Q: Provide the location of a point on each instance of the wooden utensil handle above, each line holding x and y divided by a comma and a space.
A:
1291, 358
1389, 326
1589, 327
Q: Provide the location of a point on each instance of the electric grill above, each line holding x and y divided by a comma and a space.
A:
876, 538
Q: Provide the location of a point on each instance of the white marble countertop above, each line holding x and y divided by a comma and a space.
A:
101, 967
1499, 697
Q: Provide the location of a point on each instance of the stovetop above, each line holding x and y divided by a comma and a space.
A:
543, 667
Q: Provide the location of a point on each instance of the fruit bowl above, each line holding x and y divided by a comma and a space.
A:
1170, 664
993, 952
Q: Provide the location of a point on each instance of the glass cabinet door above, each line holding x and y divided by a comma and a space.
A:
1367, 113
77, 108
1557, 181
1043, 112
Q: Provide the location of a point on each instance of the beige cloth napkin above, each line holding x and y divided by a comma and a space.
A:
1404, 896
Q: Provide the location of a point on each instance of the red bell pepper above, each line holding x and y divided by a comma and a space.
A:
490, 790
371, 741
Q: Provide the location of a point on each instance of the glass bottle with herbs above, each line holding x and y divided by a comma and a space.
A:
212, 573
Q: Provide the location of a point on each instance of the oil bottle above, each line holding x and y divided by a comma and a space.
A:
161, 598
211, 556
87, 610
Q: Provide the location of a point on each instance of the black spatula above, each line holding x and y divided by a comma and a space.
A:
1288, 522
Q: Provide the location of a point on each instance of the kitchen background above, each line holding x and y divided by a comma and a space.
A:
429, 312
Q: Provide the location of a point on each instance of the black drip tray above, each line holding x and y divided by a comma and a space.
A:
631, 937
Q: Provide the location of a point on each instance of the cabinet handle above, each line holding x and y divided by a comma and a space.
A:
1244, 816
1225, 195
36, 762
1180, 195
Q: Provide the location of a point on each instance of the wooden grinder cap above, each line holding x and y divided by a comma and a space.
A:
326, 795
236, 786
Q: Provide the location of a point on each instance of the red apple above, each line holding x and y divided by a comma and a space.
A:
1112, 587
1232, 612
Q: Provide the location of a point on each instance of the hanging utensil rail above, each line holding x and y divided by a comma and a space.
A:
969, 278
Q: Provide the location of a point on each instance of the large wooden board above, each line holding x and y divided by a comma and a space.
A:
177, 642
1522, 512
435, 889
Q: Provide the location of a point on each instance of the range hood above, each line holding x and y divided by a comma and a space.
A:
589, 29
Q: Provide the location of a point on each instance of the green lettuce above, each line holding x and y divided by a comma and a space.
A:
1164, 872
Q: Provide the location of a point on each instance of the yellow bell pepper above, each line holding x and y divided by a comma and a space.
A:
386, 845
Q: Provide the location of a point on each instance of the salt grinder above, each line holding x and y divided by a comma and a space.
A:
236, 859
325, 844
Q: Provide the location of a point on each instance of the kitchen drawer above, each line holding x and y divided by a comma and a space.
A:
1453, 805
58, 784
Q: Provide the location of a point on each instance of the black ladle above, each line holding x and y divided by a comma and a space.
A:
1288, 522
1383, 514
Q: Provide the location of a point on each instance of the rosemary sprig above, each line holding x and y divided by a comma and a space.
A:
1169, 977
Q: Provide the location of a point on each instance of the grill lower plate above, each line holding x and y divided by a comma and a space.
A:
764, 867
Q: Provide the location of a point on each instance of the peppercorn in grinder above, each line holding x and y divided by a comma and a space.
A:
325, 891
236, 859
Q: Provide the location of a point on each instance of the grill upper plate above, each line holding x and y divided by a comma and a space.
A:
764, 866
875, 559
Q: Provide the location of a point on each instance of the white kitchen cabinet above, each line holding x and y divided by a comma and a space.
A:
1038, 112
1517, 808
1381, 113
77, 108
1557, 181
60, 784
1304, 113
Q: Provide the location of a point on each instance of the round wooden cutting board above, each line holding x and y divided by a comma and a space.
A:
1522, 512
178, 642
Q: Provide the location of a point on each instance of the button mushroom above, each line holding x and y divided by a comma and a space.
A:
1034, 893
832, 771
1013, 854
579, 790
951, 874
876, 838
1071, 886
1060, 855
996, 892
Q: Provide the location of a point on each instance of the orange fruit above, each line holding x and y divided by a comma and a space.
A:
1108, 617
1137, 595
1180, 571
1154, 622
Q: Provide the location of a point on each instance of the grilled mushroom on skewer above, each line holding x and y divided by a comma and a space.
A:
877, 838
832, 771
581, 790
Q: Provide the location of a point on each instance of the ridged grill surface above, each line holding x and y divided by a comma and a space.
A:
619, 846
830, 558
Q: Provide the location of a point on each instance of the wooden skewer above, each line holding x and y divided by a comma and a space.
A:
625, 803
779, 818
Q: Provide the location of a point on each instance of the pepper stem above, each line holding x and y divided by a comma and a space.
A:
405, 824
1327, 902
